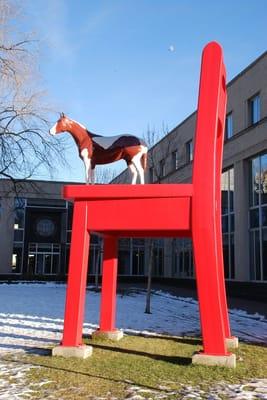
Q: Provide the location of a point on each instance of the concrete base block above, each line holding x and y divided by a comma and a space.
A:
231, 342
228, 361
68, 351
111, 335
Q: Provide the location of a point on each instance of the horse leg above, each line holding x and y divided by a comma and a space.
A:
136, 160
87, 165
134, 173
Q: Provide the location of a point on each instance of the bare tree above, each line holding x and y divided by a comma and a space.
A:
104, 174
157, 156
25, 146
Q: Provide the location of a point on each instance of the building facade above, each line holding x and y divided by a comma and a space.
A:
35, 224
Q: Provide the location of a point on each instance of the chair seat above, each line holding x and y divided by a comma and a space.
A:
136, 211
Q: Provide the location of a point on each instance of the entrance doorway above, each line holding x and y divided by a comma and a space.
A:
44, 258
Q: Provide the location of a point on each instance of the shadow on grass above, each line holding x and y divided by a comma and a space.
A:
178, 339
160, 357
186, 340
81, 373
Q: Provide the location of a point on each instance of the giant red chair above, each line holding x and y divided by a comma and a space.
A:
165, 210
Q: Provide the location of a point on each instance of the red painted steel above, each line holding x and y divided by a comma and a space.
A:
206, 204
109, 284
130, 214
77, 276
127, 191
162, 211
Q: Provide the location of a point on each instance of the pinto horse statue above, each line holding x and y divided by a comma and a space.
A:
95, 149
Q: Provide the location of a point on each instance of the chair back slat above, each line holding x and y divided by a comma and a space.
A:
209, 138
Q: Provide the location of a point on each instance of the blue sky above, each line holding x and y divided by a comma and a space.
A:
108, 65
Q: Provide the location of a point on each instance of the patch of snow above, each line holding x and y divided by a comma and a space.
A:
31, 316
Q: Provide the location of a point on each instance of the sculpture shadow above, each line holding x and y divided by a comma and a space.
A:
79, 372
160, 357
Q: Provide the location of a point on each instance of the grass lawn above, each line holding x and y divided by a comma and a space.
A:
155, 365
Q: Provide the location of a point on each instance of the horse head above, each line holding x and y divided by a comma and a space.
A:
62, 125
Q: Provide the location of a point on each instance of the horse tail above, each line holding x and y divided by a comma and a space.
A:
144, 160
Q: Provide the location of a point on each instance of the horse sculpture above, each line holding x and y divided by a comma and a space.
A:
95, 149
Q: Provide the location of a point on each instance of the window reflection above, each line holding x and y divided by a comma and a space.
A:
258, 217
228, 222
182, 256
254, 110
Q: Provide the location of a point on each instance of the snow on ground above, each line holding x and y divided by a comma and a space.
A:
31, 319
31, 316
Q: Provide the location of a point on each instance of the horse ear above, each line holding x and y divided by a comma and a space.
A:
62, 115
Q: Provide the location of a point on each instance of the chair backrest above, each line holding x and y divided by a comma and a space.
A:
209, 137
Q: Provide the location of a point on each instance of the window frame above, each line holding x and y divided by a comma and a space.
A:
162, 168
228, 215
175, 162
250, 109
189, 151
229, 133
256, 231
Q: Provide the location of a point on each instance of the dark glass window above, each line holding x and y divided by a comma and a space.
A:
228, 222
258, 217
229, 126
95, 258
158, 257
17, 258
189, 151
183, 265
124, 257
254, 110
70, 215
19, 209
138, 257
151, 175
124, 262
175, 163
43, 259
162, 168
264, 253
18, 235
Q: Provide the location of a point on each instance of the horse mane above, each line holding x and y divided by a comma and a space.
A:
93, 134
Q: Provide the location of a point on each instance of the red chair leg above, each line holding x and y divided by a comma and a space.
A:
208, 287
109, 285
77, 277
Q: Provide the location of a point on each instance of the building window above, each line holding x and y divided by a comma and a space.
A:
16, 263
254, 110
228, 222
229, 126
69, 220
158, 257
151, 175
138, 257
44, 258
182, 257
19, 209
162, 168
258, 218
19, 223
124, 257
95, 255
175, 160
189, 151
